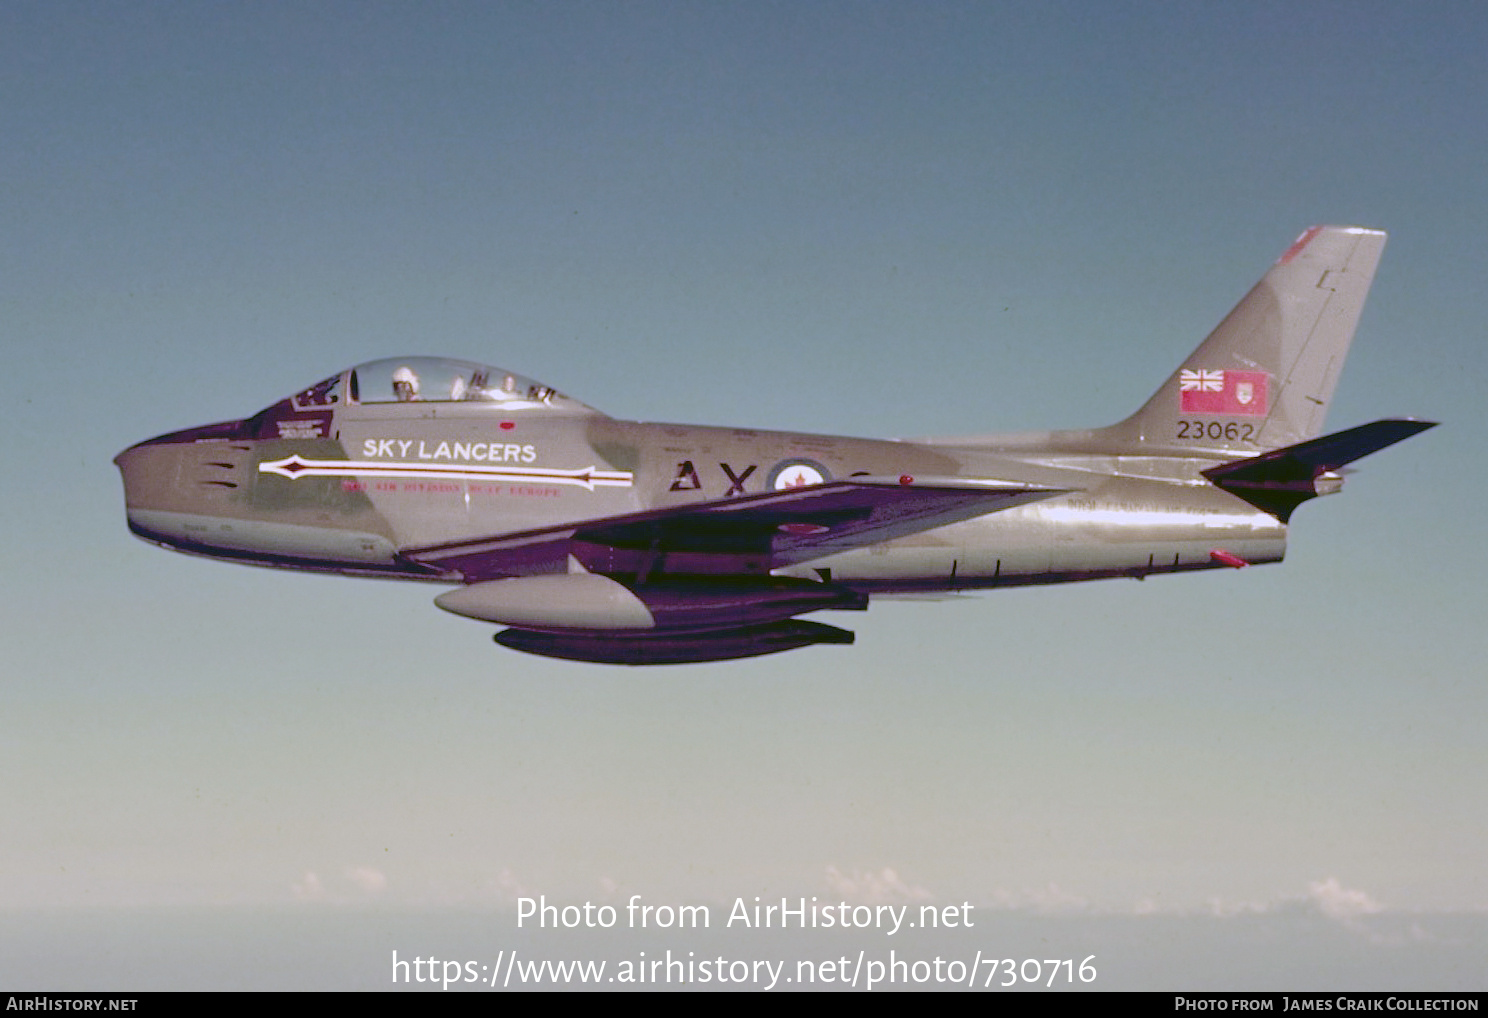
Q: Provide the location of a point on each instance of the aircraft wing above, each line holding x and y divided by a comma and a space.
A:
750, 534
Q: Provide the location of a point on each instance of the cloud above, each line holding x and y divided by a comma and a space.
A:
1335, 901
869, 888
1047, 900
308, 888
504, 886
1222, 909
356, 883
369, 880
1327, 898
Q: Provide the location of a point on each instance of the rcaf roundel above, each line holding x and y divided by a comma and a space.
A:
796, 474
1227, 393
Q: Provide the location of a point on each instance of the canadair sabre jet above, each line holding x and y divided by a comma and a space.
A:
595, 539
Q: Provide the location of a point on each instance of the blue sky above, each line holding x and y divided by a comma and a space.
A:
871, 219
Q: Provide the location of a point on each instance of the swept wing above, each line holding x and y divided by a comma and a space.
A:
751, 534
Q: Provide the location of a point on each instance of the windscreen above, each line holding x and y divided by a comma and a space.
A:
440, 380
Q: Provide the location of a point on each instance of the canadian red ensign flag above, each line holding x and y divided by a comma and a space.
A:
1228, 393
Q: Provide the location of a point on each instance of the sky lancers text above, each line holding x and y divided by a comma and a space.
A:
489, 452
799, 914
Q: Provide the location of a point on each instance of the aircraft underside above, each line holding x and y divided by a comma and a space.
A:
663, 617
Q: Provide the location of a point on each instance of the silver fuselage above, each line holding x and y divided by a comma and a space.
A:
399, 476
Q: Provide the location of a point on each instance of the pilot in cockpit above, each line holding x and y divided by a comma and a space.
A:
508, 390
405, 384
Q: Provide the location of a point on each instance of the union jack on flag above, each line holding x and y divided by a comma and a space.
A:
1224, 393
1201, 381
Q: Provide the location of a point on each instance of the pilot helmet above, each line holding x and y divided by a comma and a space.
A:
405, 384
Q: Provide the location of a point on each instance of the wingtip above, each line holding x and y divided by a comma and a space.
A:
1418, 424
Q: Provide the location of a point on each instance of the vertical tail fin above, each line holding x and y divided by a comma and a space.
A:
1264, 377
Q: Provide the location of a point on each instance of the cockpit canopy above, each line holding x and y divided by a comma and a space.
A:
435, 380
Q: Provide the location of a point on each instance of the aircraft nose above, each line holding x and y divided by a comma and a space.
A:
128, 456
149, 472
140, 462
154, 471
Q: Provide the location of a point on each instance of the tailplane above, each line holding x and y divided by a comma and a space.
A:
1282, 479
1264, 377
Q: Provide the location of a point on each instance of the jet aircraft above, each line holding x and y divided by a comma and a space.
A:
596, 539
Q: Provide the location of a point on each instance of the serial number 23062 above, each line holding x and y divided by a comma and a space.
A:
1233, 431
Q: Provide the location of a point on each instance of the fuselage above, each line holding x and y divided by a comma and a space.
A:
325, 481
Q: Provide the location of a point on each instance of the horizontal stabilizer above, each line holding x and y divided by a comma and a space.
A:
1282, 479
